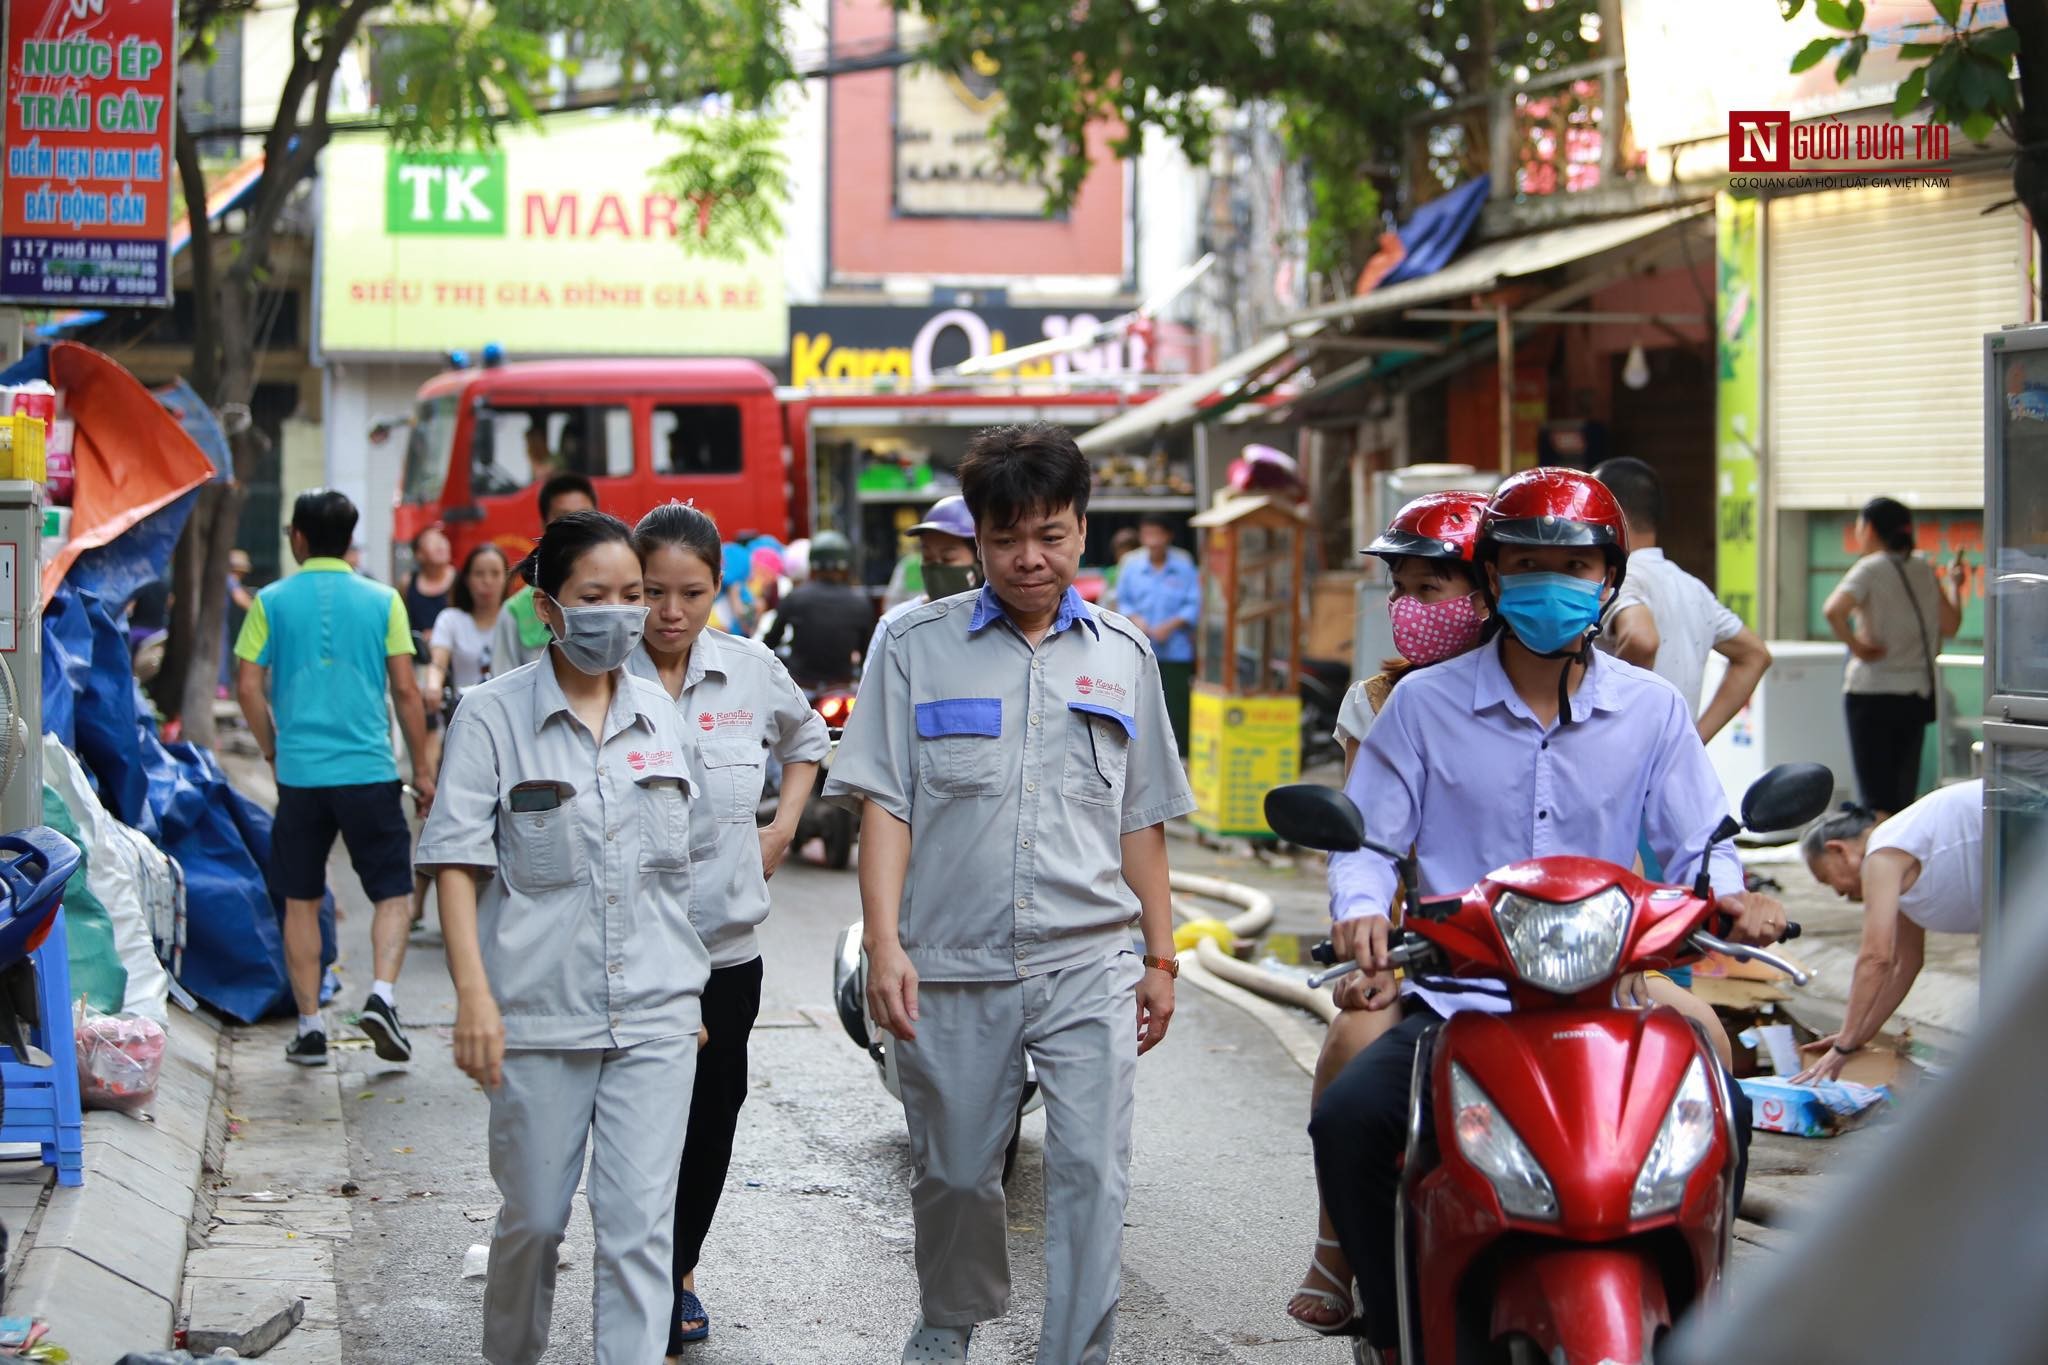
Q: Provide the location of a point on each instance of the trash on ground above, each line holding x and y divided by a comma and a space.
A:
1821, 1110
265, 1197
476, 1262
119, 1058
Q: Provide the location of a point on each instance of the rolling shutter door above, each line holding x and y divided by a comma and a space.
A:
1879, 299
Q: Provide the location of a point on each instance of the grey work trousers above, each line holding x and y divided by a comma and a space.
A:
963, 1079
623, 1103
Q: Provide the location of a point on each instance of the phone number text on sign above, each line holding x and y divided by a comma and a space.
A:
85, 213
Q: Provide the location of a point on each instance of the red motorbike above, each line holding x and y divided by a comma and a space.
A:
1571, 1193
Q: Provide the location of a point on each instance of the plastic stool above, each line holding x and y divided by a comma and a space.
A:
42, 1101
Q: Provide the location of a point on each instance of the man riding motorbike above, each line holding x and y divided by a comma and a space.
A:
825, 623
945, 543
1528, 746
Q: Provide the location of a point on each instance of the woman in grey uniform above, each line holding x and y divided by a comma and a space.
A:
560, 846
738, 705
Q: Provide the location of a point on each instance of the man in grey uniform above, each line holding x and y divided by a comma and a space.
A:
1018, 768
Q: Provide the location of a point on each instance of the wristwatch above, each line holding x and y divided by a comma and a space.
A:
1169, 965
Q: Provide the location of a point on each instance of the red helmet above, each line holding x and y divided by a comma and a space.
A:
1433, 526
1555, 506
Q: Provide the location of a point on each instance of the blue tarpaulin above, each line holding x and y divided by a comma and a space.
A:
1433, 235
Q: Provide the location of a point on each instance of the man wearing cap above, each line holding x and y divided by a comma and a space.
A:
945, 539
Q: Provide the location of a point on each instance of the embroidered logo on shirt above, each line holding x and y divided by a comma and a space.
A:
640, 762
1103, 687
724, 720
706, 721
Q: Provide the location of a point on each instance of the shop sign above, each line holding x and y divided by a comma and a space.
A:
85, 216
1738, 401
947, 164
555, 242
913, 344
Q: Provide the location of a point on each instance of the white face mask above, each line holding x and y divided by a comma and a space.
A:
598, 639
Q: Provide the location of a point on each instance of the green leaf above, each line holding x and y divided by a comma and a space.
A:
1856, 14
1789, 9
1812, 54
1911, 90
2000, 44
1845, 70
1835, 14
1942, 73
1977, 127
1919, 51
1978, 84
1950, 11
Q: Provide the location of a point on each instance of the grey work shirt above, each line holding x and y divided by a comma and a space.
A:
1018, 771
584, 922
737, 704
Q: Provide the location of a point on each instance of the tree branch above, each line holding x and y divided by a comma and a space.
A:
205, 288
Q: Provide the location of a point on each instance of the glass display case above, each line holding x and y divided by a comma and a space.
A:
1245, 716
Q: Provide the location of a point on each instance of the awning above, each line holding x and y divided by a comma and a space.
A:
1185, 400
1486, 268
226, 192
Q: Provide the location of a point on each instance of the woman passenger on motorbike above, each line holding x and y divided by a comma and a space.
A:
738, 703
1438, 613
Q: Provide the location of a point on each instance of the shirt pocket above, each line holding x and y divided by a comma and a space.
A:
732, 778
539, 848
1098, 753
959, 751
664, 823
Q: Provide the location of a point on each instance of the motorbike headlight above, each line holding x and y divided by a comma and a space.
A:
1563, 947
1489, 1143
1682, 1142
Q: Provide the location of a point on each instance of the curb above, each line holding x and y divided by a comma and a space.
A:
105, 1261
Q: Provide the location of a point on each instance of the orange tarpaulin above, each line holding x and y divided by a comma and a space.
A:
132, 458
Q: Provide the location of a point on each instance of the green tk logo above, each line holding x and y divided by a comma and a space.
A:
445, 193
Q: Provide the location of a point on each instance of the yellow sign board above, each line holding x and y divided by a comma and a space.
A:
1239, 749
553, 242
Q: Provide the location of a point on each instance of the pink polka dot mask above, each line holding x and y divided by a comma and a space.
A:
1427, 632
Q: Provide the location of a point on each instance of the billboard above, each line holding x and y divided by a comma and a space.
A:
85, 215
553, 242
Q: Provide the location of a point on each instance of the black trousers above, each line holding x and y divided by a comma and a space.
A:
1359, 1130
1887, 731
731, 1001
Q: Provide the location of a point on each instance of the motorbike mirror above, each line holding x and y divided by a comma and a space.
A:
1788, 796
1315, 817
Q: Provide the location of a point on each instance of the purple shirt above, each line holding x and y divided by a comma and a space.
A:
1458, 766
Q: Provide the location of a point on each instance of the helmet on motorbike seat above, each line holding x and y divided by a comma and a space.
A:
830, 551
1560, 507
1439, 526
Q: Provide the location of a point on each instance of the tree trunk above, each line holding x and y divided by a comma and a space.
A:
2029, 19
199, 575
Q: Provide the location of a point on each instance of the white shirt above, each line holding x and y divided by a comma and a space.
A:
1690, 619
1944, 831
468, 646
1354, 715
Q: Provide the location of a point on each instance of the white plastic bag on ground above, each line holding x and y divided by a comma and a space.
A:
120, 1057
119, 873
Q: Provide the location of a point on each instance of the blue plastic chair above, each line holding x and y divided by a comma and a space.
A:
41, 1103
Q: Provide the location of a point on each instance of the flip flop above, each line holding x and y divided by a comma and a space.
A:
1341, 1300
689, 1308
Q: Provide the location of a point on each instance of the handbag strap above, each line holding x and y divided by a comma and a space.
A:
1926, 644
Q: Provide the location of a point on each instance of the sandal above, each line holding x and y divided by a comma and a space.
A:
689, 1308
1341, 1300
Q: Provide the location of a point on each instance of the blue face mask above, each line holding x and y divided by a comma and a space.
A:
1550, 612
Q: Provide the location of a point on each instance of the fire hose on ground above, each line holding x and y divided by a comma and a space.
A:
1212, 956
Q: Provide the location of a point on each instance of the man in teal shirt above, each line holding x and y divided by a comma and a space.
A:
1160, 590
321, 653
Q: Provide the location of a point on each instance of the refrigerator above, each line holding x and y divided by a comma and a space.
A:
2016, 634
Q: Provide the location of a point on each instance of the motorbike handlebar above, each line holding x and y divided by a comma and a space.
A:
1704, 942
1401, 952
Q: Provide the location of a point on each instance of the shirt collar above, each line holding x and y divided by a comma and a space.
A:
1491, 686
324, 564
707, 656
988, 607
1648, 552
548, 700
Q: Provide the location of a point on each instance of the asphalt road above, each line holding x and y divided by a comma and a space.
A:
810, 1260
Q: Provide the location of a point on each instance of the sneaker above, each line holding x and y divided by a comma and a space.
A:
308, 1049
380, 1022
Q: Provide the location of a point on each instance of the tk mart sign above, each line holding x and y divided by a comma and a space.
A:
552, 243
